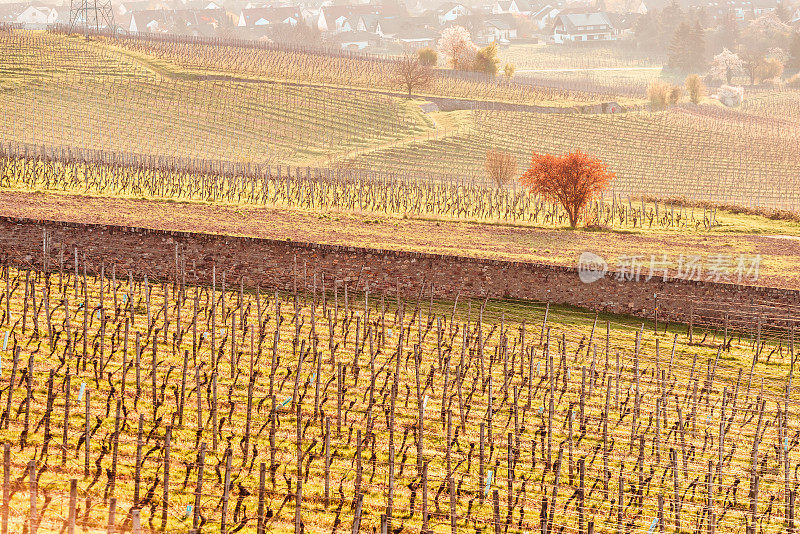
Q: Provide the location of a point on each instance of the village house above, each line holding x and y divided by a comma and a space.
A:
498, 29
38, 15
578, 27
451, 11
263, 16
513, 7
544, 16
342, 18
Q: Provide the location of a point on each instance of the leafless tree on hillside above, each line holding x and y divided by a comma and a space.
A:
412, 74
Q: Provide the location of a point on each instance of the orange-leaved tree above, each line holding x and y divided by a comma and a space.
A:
571, 179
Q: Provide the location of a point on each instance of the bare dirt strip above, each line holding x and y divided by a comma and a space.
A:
779, 258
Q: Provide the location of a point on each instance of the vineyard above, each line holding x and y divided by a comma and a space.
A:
196, 397
322, 190
742, 157
325, 406
195, 100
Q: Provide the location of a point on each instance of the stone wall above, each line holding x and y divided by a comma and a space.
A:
278, 264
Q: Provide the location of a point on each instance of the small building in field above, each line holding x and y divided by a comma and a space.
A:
583, 27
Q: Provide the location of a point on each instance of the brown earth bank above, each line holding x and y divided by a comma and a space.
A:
282, 264
778, 266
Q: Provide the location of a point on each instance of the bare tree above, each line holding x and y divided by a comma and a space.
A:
412, 73
500, 167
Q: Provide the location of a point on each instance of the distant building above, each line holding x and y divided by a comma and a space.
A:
544, 16
415, 38
499, 29
451, 11
513, 7
264, 16
355, 40
578, 27
37, 15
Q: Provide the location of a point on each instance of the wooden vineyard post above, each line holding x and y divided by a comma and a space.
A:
199, 401
73, 501
66, 421
28, 399
165, 498
481, 460
676, 505
326, 498
6, 483
620, 500
138, 349
359, 469
14, 366
225, 492
214, 422
138, 467
136, 521
115, 449
32, 519
183, 388
48, 412
87, 440
298, 524
112, 512
581, 493
262, 475
453, 517
198, 492
425, 498
496, 512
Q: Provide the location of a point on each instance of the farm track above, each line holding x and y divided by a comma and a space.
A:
480, 240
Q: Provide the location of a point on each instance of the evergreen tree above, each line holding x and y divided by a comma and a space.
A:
679, 52
697, 48
794, 51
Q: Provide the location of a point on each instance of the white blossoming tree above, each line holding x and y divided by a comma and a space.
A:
457, 46
725, 65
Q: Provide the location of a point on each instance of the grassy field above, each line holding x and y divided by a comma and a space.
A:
548, 390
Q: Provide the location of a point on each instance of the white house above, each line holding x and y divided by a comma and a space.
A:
340, 18
151, 20
451, 11
497, 30
37, 14
264, 16
575, 27
544, 17
514, 7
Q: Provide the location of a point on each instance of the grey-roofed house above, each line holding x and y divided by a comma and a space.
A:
582, 27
